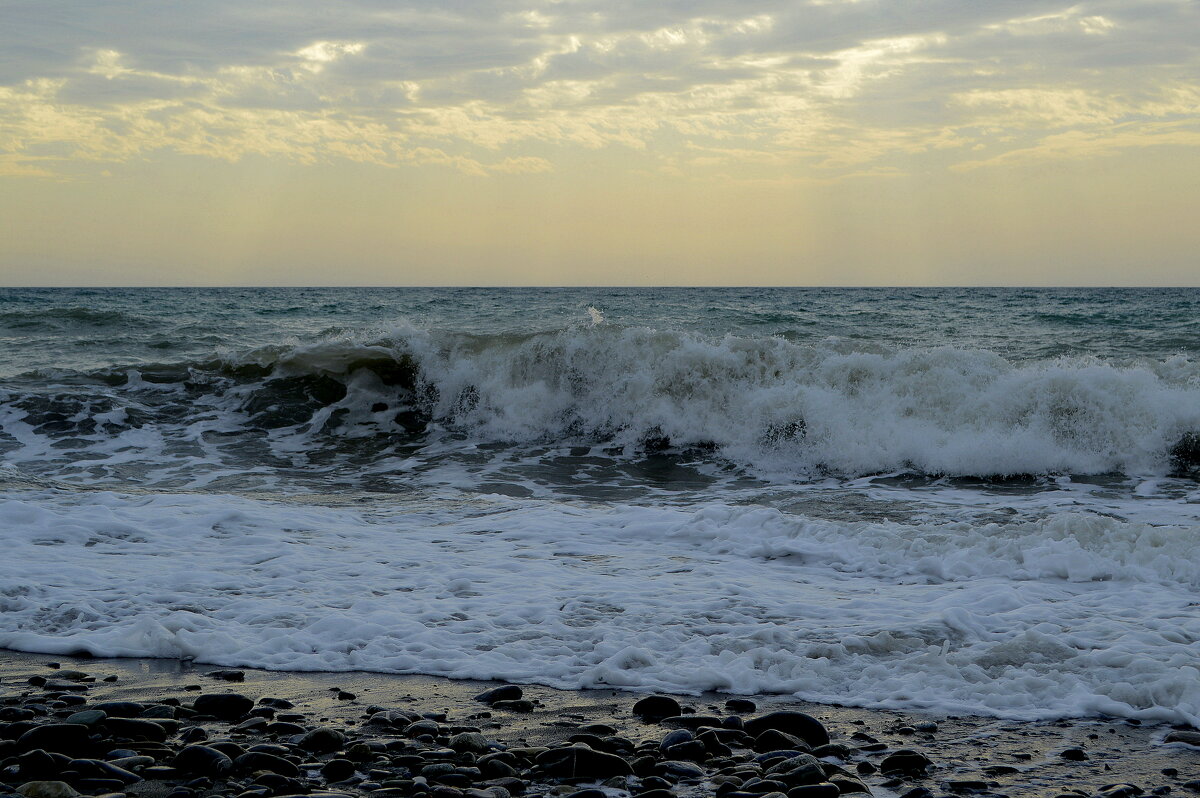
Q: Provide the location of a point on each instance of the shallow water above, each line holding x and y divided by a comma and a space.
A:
977, 501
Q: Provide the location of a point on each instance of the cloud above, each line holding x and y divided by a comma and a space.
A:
483, 88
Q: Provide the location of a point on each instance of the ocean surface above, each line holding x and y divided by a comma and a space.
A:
959, 500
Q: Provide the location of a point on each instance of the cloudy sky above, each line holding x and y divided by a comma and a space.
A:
830, 142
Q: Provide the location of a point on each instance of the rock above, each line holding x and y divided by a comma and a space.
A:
518, 705
337, 769
775, 740
99, 769
918, 792
322, 740
471, 742
581, 762
674, 769
226, 706
1074, 755
835, 750
822, 789
1186, 737
227, 676
905, 762
201, 760
797, 771
692, 749
135, 729
675, 738
258, 760
741, 705
1119, 791
47, 789
966, 785
65, 738
88, 717
120, 709
848, 784
798, 724
657, 707
509, 692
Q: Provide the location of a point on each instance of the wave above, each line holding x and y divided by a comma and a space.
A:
58, 319
767, 403
1073, 615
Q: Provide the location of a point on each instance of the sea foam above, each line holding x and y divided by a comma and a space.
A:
1074, 614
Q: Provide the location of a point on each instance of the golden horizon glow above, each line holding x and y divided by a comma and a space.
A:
822, 143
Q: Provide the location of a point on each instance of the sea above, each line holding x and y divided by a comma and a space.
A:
967, 501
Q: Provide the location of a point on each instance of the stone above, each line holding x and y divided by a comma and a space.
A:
226, 706
509, 692
822, 789
227, 676
120, 709
99, 769
88, 717
518, 705
47, 789
1185, 737
1074, 755
775, 740
1119, 791
65, 738
657, 707
798, 724
581, 762
135, 729
741, 706
905, 762
322, 740
338, 769
470, 742
202, 760
675, 738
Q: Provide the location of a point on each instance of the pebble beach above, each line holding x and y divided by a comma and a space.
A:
172, 729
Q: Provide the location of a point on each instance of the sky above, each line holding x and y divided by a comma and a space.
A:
580, 142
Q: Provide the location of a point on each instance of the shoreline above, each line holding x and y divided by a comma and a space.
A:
969, 755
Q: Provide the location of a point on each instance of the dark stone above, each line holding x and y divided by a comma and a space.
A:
675, 738
519, 705
135, 729
95, 768
819, 790
203, 760
1186, 737
227, 676
797, 771
592, 793
848, 784
657, 707
675, 769
918, 792
692, 749
806, 727
578, 761
905, 762
257, 760
36, 765
65, 738
835, 750
322, 740
193, 734
1119, 791
1074, 755
337, 769
121, 709
741, 705
775, 740
509, 692
226, 706
966, 785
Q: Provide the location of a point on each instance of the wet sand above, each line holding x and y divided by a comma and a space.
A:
971, 755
